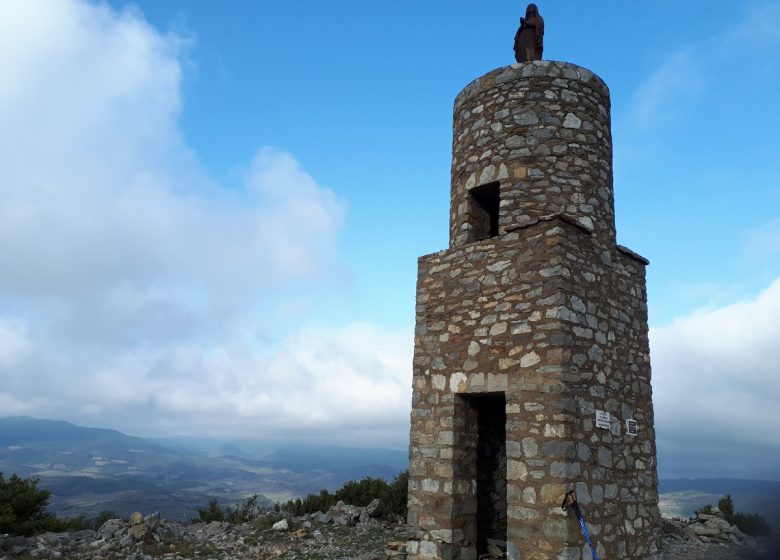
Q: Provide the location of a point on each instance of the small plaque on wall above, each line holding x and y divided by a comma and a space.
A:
632, 427
602, 419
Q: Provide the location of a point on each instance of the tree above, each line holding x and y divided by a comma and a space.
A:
212, 512
726, 506
23, 508
749, 523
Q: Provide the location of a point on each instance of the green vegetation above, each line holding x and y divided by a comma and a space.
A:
357, 493
749, 523
239, 513
23, 509
354, 492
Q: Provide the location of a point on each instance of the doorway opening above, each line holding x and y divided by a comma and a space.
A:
485, 453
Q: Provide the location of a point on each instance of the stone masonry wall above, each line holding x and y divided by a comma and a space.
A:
551, 314
542, 130
502, 316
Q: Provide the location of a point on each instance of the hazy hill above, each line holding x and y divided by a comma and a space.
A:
681, 496
90, 470
46, 446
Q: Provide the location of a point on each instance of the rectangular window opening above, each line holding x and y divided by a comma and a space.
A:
484, 203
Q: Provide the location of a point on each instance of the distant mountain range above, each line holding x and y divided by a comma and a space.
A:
90, 470
682, 496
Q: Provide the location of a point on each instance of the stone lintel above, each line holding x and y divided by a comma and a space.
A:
560, 216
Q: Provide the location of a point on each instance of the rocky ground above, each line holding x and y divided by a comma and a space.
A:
710, 537
343, 532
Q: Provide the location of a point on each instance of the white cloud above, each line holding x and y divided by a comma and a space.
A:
757, 30
14, 342
679, 77
100, 193
136, 281
350, 385
688, 72
715, 379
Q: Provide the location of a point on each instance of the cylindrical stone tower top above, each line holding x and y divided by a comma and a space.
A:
531, 140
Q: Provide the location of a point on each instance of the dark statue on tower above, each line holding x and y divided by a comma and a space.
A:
529, 39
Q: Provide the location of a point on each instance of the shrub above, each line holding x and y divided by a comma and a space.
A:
265, 522
212, 512
726, 506
749, 523
357, 493
239, 513
243, 512
23, 509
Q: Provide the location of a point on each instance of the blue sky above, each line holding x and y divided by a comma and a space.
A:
213, 212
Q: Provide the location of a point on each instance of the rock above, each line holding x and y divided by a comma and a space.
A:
346, 515
110, 528
217, 527
701, 529
54, 539
281, 525
158, 538
152, 520
171, 529
671, 527
136, 518
138, 532
376, 508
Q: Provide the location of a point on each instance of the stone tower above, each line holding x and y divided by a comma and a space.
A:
531, 360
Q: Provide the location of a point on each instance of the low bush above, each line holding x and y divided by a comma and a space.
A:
23, 509
239, 513
749, 523
357, 493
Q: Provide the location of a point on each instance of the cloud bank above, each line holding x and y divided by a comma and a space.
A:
137, 293
134, 288
716, 390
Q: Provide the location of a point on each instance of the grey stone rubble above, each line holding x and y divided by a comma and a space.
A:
343, 532
710, 537
708, 528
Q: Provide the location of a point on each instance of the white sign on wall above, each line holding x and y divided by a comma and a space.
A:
602, 419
